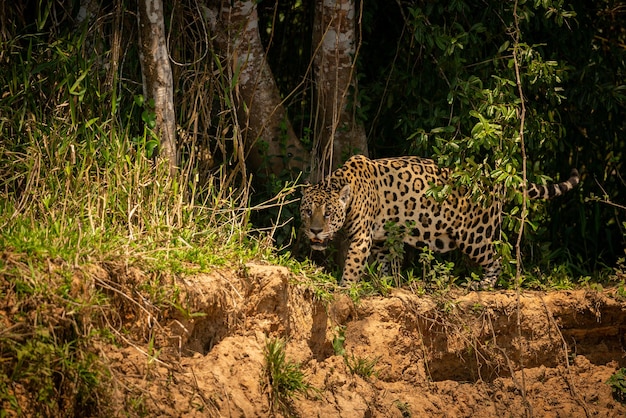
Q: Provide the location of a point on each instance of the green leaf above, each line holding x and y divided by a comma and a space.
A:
139, 100
504, 47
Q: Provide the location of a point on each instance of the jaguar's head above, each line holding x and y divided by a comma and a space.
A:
323, 210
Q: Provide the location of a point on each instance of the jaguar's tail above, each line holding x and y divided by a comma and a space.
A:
536, 191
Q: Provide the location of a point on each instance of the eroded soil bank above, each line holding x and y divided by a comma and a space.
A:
476, 354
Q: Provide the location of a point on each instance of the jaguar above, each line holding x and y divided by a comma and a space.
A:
365, 195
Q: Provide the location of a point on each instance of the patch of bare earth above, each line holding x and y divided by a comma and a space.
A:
477, 354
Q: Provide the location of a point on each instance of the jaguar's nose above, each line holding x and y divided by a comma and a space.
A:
316, 230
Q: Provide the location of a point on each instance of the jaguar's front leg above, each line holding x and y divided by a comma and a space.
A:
380, 256
356, 258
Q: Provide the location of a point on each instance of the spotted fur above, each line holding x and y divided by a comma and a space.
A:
363, 195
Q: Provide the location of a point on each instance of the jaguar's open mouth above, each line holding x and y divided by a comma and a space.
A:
318, 244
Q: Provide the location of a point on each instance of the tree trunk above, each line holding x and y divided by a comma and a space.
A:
157, 75
271, 144
338, 134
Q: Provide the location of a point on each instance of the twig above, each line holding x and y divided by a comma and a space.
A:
605, 201
568, 381
518, 250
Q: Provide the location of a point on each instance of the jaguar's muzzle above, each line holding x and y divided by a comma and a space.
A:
318, 244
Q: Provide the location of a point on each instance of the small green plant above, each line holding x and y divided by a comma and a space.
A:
148, 142
621, 291
415, 284
404, 408
361, 366
596, 287
436, 272
619, 276
447, 305
284, 379
617, 382
379, 282
395, 246
339, 340
560, 278
478, 308
361, 288
321, 284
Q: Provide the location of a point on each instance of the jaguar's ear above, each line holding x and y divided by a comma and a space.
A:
304, 187
344, 194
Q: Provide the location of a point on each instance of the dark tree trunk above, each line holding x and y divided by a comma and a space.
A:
271, 144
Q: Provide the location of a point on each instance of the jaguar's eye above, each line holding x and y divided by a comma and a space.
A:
326, 215
308, 213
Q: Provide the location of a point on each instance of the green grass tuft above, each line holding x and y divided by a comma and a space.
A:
285, 379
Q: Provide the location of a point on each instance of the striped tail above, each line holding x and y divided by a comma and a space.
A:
535, 191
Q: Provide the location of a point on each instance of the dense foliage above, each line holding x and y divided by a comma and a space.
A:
438, 79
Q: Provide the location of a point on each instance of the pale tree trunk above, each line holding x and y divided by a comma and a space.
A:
338, 134
157, 75
271, 144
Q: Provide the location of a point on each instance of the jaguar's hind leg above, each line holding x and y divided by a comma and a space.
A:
492, 272
484, 255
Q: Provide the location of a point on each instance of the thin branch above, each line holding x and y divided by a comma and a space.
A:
606, 202
518, 252
606, 199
